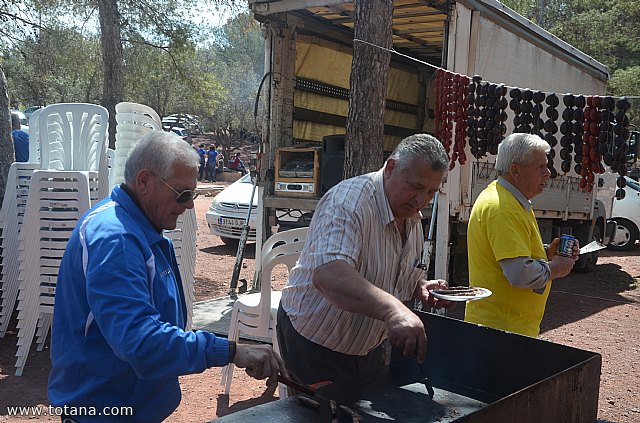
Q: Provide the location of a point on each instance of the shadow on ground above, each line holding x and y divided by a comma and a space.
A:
578, 296
231, 250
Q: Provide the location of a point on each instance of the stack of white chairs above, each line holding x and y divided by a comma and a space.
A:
184, 245
11, 216
256, 314
133, 121
72, 146
11, 219
57, 200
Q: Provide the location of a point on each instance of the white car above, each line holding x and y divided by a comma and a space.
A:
180, 131
626, 213
228, 211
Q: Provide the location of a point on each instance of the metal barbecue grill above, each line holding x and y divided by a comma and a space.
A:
478, 374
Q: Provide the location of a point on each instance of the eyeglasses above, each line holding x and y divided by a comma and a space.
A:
184, 196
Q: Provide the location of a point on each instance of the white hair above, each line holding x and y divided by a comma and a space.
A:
158, 152
517, 148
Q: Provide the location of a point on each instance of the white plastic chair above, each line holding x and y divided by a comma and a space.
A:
256, 314
73, 136
284, 237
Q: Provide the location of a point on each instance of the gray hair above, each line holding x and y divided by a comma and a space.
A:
15, 121
422, 147
158, 152
517, 148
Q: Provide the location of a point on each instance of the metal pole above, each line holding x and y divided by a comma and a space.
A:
243, 242
428, 243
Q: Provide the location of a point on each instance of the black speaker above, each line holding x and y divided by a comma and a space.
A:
332, 163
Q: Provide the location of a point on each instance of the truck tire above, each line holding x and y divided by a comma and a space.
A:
587, 262
626, 236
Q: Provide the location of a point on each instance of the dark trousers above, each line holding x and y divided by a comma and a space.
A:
201, 171
311, 363
211, 173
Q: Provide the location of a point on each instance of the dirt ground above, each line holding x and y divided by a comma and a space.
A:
599, 312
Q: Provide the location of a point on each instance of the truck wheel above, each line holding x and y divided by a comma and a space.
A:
626, 236
587, 262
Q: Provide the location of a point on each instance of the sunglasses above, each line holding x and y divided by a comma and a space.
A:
184, 196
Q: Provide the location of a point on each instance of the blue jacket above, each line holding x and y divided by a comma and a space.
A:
21, 145
211, 157
201, 152
118, 334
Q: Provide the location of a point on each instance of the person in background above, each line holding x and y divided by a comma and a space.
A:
220, 164
20, 139
212, 162
506, 253
362, 260
118, 335
202, 153
237, 164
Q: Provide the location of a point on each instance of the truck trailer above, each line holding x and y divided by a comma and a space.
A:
308, 58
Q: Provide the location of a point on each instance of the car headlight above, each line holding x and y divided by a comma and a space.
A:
214, 204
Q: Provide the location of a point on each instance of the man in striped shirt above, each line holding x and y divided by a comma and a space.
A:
361, 261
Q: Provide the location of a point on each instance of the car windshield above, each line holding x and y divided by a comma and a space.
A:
246, 179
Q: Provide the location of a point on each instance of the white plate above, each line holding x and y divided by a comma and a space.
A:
484, 293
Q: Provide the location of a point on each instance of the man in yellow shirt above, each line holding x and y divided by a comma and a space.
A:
506, 253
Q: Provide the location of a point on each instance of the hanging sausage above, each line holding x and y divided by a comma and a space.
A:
481, 108
550, 126
472, 115
620, 143
460, 106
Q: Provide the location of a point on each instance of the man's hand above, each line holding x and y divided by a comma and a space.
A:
406, 332
421, 293
552, 249
259, 361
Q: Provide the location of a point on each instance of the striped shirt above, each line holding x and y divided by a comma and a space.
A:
353, 222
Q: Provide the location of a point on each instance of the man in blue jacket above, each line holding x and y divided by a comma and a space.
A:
20, 139
202, 153
118, 337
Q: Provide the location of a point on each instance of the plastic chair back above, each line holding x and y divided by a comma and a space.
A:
34, 137
73, 136
139, 109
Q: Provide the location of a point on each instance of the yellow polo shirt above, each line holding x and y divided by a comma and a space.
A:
501, 228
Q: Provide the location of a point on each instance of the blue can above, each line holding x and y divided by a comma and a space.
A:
565, 247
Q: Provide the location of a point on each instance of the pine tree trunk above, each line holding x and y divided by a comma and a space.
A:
368, 90
7, 153
112, 62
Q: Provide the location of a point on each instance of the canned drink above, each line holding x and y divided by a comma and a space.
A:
565, 247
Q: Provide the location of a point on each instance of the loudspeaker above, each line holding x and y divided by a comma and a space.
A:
332, 161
